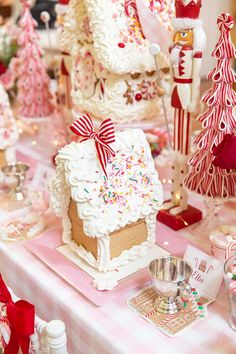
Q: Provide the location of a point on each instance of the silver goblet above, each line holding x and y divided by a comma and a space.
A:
170, 279
17, 171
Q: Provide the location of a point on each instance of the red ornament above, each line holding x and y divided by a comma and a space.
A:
121, 45
138, 97
2, 68
225, 153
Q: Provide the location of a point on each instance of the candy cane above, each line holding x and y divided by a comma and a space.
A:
229, 249
209, 268
5, 331
149, 314
162, 4
131, 4
225, 23
166, 320
152, 5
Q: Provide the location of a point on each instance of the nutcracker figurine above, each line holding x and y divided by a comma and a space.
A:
186, 58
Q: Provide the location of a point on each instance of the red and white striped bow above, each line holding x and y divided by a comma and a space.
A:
105, 136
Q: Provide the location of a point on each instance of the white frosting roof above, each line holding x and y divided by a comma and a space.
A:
131, 192
105, 24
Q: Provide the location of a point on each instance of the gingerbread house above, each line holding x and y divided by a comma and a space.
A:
108, 221
8, 130
64, 80
113, 73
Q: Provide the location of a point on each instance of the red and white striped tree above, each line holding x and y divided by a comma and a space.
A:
34, 97
217, 121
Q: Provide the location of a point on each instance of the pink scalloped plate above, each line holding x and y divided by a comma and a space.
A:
44, 247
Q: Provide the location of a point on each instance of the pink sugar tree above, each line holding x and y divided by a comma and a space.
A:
34, 97
217, 121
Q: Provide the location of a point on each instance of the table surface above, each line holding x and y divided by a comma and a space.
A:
113, 328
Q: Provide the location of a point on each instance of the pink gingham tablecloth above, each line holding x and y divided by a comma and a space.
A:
114, 328
111, 329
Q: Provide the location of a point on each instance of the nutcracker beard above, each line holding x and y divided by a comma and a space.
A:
174, 55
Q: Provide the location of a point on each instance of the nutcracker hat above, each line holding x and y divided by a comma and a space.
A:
187, 14
62, 7
187, 17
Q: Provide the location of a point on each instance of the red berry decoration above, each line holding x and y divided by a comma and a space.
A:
138, 97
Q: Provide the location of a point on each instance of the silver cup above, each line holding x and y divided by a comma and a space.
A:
170, 279
18, 171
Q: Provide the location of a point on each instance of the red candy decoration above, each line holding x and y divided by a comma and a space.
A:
138, 97
121, 45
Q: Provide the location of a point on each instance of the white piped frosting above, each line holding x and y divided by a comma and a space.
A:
93, 21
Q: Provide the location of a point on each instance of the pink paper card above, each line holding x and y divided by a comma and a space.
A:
207, 272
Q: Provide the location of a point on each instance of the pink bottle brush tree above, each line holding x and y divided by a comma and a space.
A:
34, 97
205, 177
